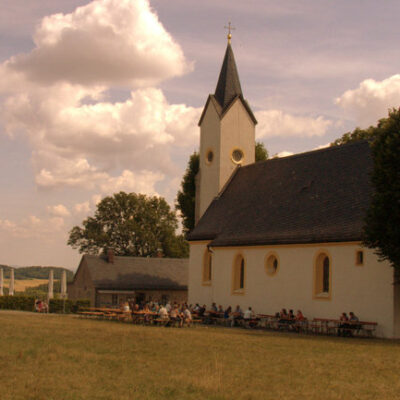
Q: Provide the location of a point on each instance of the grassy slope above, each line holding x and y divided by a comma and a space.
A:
62, 357
21, 284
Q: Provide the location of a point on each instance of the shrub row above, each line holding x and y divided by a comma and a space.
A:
24, 303
27, 303
67, 306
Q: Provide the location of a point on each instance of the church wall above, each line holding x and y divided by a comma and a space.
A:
366, 290
209, 140
237, 132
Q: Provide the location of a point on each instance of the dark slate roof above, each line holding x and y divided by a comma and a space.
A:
314, 197
130, 273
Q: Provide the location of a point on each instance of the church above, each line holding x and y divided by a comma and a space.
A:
286, 232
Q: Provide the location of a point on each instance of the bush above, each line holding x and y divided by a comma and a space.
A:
67, 306
27, 303
24, 303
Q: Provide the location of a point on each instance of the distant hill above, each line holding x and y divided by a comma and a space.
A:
36, 272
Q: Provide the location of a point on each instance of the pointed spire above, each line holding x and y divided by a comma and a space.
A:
228, 86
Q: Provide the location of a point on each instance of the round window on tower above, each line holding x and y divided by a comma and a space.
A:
209, 156
237, 156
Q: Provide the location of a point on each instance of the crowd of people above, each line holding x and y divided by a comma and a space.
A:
183, 313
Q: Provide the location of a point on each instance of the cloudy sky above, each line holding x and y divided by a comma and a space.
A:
102, 96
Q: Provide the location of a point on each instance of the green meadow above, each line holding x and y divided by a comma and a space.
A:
45, 357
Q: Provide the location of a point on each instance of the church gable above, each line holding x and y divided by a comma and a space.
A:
320, 196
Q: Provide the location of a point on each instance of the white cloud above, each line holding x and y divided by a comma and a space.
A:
58, 211
371, 100
32, 227
84, 145
57, 99
82, 208
284, 153
277, 123
108, 42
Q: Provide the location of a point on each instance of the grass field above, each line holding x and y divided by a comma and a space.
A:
62, 357
21, 284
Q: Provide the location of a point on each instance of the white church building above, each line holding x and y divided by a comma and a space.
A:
286, 232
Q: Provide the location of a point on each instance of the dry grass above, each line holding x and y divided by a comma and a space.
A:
62, 357
21, 284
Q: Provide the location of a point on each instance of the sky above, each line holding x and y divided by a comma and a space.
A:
102, 96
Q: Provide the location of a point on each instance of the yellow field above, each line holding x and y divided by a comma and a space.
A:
21, 284
61, 357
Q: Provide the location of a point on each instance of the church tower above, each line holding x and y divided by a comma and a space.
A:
227, 134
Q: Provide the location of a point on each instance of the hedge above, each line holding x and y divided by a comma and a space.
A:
24, 303
71, 306
27, 303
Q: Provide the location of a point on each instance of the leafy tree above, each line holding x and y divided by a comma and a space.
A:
261, 152
356, 135
132, 225
186, 197
381, 230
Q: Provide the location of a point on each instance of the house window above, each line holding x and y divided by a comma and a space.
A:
271, 263
239, 271
359, 257
207, 267
322, 276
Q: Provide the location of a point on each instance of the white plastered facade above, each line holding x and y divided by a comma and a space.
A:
366, 289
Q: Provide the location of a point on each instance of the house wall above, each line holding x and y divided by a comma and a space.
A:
366, 290
106, 299
82, 286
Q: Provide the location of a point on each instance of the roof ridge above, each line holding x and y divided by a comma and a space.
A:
308, 152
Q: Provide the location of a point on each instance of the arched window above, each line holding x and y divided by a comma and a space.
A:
322, 276
271, 263
239, 271
207, 267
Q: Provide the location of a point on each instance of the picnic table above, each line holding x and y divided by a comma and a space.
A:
331, 326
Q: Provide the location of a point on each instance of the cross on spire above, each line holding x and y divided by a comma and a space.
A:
230, 28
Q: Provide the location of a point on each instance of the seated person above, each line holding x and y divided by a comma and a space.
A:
283, 316
300, 320
214, 307
353, 319
187, 316
248, 314
343, 329
175, 315
236, 315
163, 313
220, 309
202, 310
227, 312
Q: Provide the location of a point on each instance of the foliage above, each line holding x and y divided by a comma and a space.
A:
23, 303
381, 229
261, 153
186, 198
36, 272
132, 225
61, 306
355, 136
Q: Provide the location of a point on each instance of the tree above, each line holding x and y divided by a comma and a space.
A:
132, 225
356, 135
381, 230
261, 152
186, 197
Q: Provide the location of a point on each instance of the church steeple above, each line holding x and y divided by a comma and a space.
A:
228, 86
227, 134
